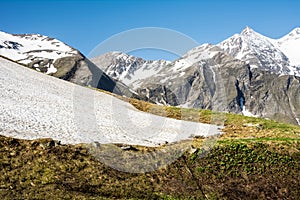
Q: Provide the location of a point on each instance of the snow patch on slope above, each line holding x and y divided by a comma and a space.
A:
247, 112
34, 105
298, 121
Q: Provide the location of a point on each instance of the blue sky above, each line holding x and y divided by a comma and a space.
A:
84, 24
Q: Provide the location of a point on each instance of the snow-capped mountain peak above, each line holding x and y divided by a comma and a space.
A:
262, 52
290, 46
294, 33
247, 31
252, 34
33, 49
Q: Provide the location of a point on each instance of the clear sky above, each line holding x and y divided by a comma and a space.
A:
84, 24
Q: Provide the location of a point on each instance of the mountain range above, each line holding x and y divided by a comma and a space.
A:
247, 73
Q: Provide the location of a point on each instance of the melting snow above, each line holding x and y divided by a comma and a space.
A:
51, 69
247, 112
298, 121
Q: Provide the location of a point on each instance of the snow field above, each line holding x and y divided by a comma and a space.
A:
34, 105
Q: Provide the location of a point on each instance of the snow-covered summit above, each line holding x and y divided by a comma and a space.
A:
290, 46
276, 56
248, 31
32, 49
294, 34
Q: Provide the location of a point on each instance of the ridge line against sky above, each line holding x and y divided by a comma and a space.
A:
84, 24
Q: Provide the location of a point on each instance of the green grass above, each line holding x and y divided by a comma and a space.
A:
258, 140
251, 170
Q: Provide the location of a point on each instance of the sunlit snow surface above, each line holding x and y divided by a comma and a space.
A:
34, 105
290, 46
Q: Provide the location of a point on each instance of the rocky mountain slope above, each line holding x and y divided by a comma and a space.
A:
247, 73
128, 69
53, 57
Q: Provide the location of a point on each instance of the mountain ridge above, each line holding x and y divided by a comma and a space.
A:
256, 63
260, 51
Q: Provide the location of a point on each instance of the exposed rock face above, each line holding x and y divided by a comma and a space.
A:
275, 97
212, 82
